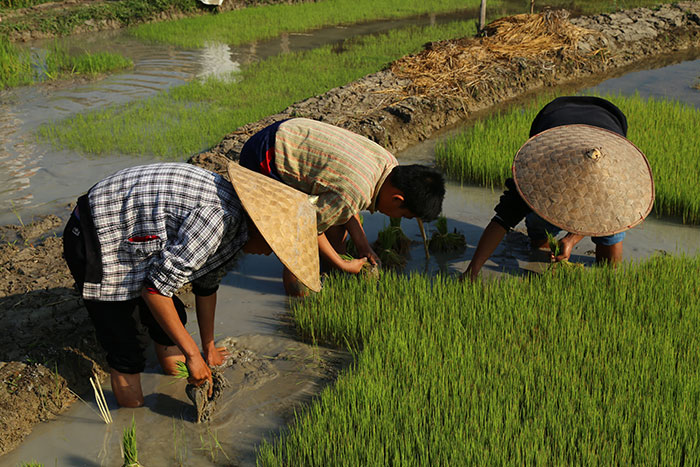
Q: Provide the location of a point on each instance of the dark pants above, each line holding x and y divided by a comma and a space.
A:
122, 327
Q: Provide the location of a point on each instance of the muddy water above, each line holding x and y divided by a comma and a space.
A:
275, 371
37, 179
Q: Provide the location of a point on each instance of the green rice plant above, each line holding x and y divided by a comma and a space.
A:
59, 62
129, 451
32, 464
666, 131
181, 370
443, 240
553, 243
269, 21
595, 366
15, 65
392, 245
13, 4
190, 118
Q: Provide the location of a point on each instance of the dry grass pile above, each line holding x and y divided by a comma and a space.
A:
456, 68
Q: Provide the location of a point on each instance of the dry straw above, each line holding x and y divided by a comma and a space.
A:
100, 399
456, 68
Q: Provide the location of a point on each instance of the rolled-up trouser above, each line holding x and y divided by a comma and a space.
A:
122, 327
537, 229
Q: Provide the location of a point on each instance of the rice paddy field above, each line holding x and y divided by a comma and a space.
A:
22, 67
574, 367
188, 119
666, 131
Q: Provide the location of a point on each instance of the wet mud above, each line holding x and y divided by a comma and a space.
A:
49, 349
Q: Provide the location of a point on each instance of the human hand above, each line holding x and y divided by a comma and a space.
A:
199, 372
215, 356
371, 256
565, 248
353, 266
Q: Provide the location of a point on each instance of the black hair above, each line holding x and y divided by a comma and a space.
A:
423, 189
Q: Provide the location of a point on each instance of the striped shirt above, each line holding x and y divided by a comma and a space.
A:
166, 224
345, 170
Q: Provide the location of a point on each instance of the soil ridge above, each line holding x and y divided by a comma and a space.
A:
382, 106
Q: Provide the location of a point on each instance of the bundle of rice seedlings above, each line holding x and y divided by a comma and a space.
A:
442, 240
129, 451
556, 250
392, 243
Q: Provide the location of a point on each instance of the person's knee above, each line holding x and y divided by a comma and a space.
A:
168, 357
127, 388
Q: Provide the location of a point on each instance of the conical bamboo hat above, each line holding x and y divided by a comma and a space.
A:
584, 179
285, 218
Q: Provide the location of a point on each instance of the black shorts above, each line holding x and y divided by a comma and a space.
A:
122, 327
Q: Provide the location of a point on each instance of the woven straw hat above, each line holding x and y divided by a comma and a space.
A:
285, 217
584, 179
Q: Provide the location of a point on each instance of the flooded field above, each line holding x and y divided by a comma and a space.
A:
278, 372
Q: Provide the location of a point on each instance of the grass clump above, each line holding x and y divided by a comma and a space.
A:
129, 450
20, 67
592, 366
190, 118
666, 131
443, 240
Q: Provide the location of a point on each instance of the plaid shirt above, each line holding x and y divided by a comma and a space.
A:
166, 224
345, 170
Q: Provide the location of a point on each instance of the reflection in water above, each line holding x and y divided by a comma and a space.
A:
216, 61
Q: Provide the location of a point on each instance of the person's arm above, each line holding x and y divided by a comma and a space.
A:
164, 312
206, 308
490, 239
567, 244
329, 253
359, 238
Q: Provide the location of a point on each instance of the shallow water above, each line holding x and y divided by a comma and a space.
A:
251, 300
37, 179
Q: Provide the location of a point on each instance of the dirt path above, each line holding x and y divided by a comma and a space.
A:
49, 346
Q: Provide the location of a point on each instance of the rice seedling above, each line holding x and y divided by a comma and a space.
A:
20, 67
193, 117
129, 450
443, 240
666, 131
392, 245
181, 370
586, 366
32, 464
268, 21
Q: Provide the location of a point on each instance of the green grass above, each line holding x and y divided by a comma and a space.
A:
190, 118
666, 131
19, 67
14, 4
578, 367
64, 21
268, 21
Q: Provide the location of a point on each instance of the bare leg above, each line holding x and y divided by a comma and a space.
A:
611, 254
127, 388
168, 356
293, 286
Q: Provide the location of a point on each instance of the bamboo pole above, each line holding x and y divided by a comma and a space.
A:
482, 15
425, 238
532, 7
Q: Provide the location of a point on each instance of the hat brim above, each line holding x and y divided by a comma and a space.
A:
285, 218
584, 179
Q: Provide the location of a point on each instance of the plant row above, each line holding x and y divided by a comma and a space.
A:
665, 131
21, 67
574, 367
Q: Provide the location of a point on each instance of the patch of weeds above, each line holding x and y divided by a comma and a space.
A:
392, 244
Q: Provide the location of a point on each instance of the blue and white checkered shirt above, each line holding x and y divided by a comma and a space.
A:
167, 224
